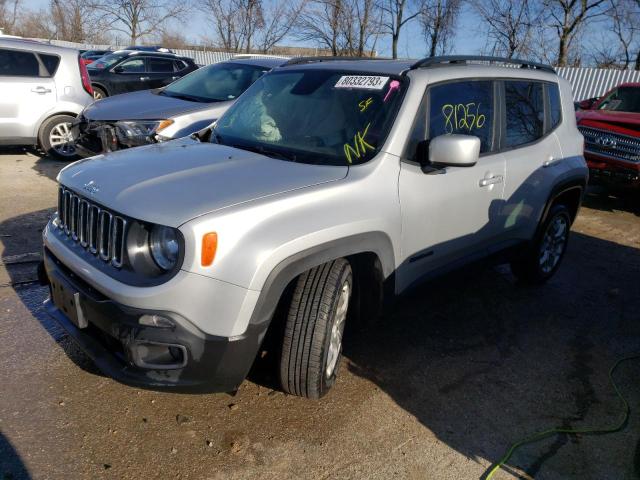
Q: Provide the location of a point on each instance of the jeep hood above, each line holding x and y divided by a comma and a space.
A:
628, 120
173, 182
145, 105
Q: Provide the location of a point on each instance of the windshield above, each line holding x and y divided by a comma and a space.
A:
215, 83
313, 116
623, 99
107, 61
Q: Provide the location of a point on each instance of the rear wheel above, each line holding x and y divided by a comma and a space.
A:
99, 93
312, 342
56, 138
541, 260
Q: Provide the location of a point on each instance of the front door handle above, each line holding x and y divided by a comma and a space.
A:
144, 79
174, 78
41, 90
491, 180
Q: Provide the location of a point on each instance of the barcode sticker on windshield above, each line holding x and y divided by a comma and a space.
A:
366, 82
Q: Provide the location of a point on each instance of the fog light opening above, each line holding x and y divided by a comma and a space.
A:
157, 321
159, 355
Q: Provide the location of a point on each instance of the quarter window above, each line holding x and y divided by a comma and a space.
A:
18, 64
463, 108
524, 112
51, 63
555, 108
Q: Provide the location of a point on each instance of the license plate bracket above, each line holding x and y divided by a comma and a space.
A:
69, 301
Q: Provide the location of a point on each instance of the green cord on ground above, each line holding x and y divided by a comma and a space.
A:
554, 431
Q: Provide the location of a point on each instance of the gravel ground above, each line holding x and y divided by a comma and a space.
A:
451, 376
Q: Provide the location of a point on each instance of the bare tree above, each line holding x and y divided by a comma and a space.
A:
438, 19
9, 15
623, 18
394, 18
509, 25
323, 22
280, 19
226, 22
137, 18
566, 17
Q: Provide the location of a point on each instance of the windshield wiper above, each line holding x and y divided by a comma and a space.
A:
267, 152
183, 96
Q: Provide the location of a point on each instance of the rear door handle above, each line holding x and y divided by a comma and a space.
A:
41, 90
143, 79
174, 78
491, 180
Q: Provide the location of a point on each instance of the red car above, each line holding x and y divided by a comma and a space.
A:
611, 130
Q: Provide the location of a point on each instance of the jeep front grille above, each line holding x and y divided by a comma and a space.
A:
610, 144
94, 228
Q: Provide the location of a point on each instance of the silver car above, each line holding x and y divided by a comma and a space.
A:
327, 185
42, 90
177, 110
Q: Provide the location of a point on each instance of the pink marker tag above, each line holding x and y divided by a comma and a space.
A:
393, 86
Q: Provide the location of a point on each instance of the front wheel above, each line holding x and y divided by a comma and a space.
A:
312, 341
56, 138
541, 260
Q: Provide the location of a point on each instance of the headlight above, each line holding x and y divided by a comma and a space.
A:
133, 133
164, 246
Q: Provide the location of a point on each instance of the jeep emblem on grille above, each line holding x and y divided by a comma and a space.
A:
91, 187
606, 141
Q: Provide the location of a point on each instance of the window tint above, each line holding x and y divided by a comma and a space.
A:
160, 65
464, 108
178, 65
18, 64
51, 63
524, 112
555, 107
133, 66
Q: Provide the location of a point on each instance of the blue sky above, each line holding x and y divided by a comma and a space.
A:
466, 41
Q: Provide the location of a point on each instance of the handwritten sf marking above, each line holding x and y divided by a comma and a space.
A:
364, 104
360, 144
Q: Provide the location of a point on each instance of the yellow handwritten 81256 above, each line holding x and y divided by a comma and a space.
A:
462, 116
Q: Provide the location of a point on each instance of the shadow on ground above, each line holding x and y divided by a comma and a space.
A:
11, 465
600, 198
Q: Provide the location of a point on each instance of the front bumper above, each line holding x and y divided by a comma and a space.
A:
110, 333
613, 173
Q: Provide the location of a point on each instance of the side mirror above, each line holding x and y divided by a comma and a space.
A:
587, 104
118, 69
454, 150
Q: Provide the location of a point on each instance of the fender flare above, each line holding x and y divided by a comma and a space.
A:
576, 182
288, 269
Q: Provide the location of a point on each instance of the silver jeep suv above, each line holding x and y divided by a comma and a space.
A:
328, 182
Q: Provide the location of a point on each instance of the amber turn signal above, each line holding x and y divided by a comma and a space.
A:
209, 247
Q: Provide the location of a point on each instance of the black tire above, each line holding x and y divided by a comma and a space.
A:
99, 93
536, 264
51, 126
312, 315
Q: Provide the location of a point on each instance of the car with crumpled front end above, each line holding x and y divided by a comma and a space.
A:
611, 130
177, 110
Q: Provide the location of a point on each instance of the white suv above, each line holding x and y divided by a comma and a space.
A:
327, 183
42, 89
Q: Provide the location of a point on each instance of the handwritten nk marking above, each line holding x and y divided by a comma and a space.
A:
364, 104
462, 116
360, 144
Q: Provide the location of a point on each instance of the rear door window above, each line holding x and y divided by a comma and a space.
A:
159, 65
524, 112
15, 63
463, 107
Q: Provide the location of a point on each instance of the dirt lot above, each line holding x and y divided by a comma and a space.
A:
451, 377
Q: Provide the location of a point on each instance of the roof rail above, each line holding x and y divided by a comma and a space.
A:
327, 58
465, 59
